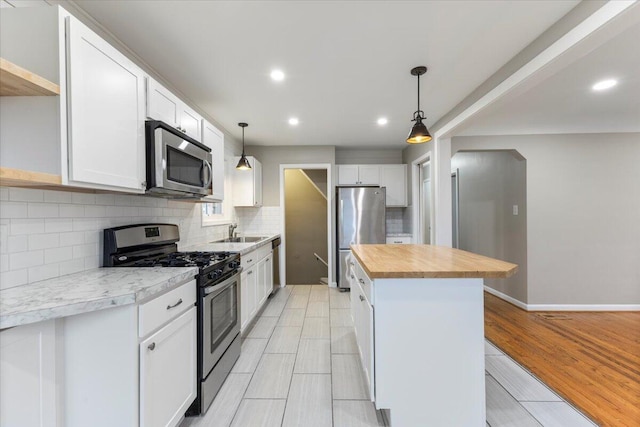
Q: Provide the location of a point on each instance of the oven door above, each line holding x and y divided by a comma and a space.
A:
179, 164
220, 320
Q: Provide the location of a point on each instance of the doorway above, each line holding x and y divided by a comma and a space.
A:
306, 224
425, 201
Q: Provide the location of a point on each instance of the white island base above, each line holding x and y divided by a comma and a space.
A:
429, 351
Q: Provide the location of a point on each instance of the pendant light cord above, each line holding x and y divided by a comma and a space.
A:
418, 92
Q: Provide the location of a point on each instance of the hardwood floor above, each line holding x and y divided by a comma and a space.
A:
591, 359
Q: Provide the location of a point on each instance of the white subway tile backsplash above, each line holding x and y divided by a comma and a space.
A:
13, 210
57, 255
43, 272
26, 195
95, 211
18, 243
26, 226
27, 259
44, 241
58, 197
47, 233
43, 210
72, 238
83, 198
71, 266
55, 225
71, 211
105, 199
12, 278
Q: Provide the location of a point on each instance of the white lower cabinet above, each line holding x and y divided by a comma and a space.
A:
362, 312
132, 365
167, 367
28, 378
256, 283
398, 240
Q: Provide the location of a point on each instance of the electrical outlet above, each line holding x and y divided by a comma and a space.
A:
515, 209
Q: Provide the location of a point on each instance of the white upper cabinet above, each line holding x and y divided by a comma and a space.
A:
214, 139
247, 184
105, 113
165, 106
358, 174
394, 178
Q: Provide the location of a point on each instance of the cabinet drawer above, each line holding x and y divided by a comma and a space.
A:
364, 281
160, 310
402, 240
263, 251
248, 259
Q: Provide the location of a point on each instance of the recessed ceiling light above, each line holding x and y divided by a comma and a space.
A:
293, 121
382, 121
605, 84
277, 75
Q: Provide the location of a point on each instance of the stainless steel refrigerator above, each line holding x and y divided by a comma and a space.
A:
361, 220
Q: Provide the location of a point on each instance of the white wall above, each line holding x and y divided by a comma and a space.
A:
583, 216
491, 183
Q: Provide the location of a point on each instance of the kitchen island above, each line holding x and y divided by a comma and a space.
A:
418, 314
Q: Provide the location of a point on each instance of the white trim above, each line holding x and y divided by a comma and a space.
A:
506, 297
583, 307
283, 247
415, 195
562, 307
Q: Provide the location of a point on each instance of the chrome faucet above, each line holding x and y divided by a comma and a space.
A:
232, 227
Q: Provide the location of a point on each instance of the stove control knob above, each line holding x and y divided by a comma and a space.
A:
218, 272
234, 264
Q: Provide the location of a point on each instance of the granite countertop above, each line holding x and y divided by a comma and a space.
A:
427, 261
241, 248
86, 291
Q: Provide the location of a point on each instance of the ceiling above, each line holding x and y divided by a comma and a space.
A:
346, 63
559, 99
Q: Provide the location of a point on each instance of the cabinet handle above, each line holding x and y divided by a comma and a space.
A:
249, 272
361, 281
352, 276
397, 241
169, 307
361, 298
152, 346
250, 260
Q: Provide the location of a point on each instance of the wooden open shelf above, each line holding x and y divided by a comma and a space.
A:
16, 81
10, 177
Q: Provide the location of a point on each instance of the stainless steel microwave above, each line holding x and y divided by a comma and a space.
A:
177, 165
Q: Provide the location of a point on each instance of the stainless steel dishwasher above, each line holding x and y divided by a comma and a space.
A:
275, 244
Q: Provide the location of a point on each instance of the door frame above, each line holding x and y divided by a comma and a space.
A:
416, 198
330, 233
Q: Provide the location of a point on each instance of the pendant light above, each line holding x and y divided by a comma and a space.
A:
243, 164
419, 132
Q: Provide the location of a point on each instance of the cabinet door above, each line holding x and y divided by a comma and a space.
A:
252, 292
168, 372
260, 285
257, 182
347, 174
244, 299
394, 178
214, 139
106, 113
369, 174
243, 184
191, 122
162, 104
28, 376
367, 346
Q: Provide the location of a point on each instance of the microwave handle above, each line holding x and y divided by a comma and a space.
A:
210, 177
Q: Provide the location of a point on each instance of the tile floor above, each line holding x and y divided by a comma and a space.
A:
300, 368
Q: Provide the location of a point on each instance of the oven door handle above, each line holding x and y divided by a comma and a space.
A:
219, 287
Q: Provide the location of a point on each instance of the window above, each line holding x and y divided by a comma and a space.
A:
218, 213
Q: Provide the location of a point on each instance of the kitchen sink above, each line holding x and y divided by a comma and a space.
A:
246, 239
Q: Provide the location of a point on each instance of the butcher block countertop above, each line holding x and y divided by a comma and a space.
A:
427, 261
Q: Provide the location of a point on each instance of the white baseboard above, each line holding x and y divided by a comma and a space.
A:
563, 307
583, 307
506, 297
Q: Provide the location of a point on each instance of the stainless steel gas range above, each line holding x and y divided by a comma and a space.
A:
154, 245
